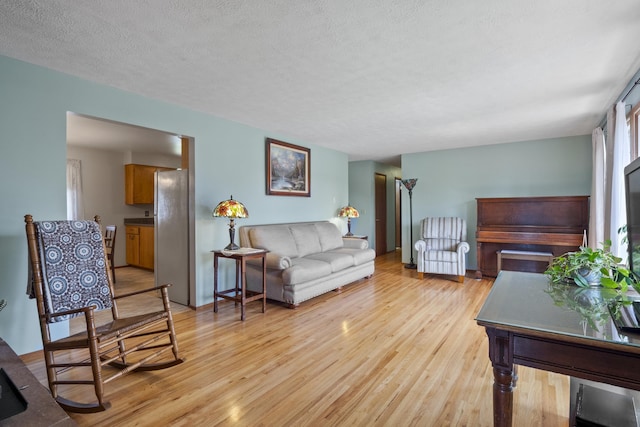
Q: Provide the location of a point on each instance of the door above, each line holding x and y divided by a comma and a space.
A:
381, 213
171, 212
398, 208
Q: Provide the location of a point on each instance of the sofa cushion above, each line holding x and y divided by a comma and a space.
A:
305, 269
360, 256
441, 256
337, 260
276, 238
306, 238
442, 244
329, 236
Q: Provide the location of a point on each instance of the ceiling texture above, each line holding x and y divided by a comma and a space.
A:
372, 78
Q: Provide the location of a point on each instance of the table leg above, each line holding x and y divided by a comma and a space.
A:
238, 279
264, 284
243, 284
215, 283
501, 355
502, 397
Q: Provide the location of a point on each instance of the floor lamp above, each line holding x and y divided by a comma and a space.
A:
409, 184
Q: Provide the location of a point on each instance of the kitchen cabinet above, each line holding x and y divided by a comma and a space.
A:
138, 182
140, 246
146, 247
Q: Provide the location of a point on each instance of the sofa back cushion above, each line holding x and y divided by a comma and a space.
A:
274, 238
306, 238
329, 236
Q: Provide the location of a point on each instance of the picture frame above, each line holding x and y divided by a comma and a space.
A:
288, 169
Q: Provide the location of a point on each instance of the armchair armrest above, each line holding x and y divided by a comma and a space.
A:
142, 291
83, 310
463, 248
421, 246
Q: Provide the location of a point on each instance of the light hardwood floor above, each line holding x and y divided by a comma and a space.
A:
392, 350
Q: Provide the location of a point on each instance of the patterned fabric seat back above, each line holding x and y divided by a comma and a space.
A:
73, 266
444, 233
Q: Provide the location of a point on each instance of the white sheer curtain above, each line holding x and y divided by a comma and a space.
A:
597, 214
75, 208
608, 171
621, 158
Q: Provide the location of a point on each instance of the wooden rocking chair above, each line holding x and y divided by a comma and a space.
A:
70, 276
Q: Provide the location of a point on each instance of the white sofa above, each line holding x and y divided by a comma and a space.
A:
305, 259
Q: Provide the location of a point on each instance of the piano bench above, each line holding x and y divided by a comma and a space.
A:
523, 255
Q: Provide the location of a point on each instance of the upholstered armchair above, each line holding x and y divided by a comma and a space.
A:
442, 247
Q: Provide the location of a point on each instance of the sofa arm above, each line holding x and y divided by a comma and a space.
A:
273, 261
355, 243
277, 262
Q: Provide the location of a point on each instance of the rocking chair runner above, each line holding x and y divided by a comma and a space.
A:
70, 277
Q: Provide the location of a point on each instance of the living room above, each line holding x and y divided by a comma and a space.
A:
229, 158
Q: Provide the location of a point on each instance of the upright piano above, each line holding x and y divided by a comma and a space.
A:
554, 224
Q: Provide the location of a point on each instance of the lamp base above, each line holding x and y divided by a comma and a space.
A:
232, 247
349, 234
411, 266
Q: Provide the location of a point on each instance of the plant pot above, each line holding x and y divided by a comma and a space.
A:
592, 277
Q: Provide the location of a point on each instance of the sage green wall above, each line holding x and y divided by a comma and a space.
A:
362, 197
229, 159
449, 181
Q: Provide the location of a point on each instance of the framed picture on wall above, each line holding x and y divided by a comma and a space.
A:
288, 169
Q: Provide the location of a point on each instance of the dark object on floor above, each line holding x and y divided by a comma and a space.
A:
596, 407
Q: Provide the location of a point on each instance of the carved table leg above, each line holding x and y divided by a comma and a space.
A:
502, 397
504, 376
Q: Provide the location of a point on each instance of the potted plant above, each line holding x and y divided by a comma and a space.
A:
591, 267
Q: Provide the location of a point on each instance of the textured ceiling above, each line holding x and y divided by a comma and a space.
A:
375, 79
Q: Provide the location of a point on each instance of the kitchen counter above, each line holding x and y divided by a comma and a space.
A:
139, 221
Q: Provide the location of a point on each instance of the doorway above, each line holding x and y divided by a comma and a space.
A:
398, 209
104, 147
381, 213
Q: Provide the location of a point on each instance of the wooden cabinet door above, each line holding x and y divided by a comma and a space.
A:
146, 247
138, 182
133, 249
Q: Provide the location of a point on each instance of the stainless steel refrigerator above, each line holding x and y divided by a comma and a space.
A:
171, 217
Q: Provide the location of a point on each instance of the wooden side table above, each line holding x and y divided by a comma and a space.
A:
240, 294
355, 236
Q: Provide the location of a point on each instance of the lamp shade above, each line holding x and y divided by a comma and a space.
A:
409, 183
348, 212
231, 209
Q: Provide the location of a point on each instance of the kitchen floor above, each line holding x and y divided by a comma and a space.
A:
129, 279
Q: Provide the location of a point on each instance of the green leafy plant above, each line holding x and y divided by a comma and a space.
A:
589, 266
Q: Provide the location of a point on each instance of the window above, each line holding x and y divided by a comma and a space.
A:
634, 130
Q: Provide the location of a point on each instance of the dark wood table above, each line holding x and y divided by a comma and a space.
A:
240, 293
527, 325
42, 409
